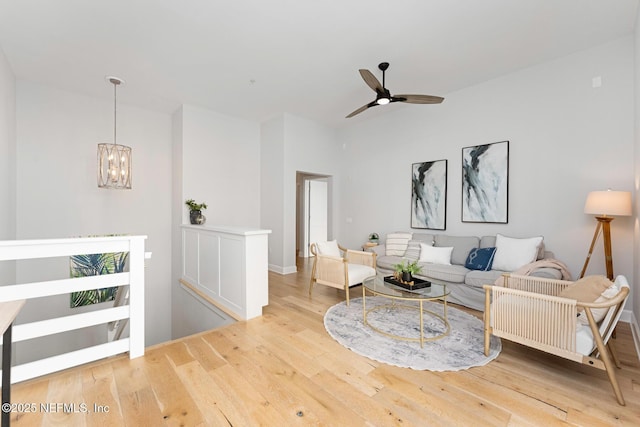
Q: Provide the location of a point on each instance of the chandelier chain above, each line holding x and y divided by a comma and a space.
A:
115, 115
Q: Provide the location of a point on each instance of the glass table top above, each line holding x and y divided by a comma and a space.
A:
377, 285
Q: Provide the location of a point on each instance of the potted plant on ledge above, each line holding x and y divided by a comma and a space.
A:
405, 270
195, 211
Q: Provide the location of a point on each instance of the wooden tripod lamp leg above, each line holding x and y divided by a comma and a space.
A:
604, 225
593, 244
606, 234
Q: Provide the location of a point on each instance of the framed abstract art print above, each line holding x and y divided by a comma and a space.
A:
485, 183
429, 195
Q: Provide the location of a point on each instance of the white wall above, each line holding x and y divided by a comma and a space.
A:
635, 296
216, 160
221, 166
177, 213
272, 190
293, 144
58, 196
566, 139
7, 162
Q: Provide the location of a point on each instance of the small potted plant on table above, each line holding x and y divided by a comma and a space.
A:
405, 270
195, 211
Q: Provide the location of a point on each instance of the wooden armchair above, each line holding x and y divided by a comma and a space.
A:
528, 310
340, 267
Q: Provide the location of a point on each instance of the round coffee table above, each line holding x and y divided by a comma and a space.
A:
377, 286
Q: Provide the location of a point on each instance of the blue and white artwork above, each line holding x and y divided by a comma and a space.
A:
429, 195
485, 183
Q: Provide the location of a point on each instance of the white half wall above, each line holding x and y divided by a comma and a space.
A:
58, 196
566, 138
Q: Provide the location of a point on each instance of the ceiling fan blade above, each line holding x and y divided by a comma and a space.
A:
371, 80
418, 99
361, 109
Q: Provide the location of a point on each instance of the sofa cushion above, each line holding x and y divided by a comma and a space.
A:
478, 278
396, 243
462, 245
427, 238
386, 262
513, 253
480, 259
449, 273
435, 255
488, 241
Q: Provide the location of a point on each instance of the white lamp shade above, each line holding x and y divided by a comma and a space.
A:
608, 203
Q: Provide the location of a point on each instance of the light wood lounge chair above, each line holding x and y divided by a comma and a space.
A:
528, 310
340, 267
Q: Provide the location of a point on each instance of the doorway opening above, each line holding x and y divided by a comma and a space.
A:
313, 200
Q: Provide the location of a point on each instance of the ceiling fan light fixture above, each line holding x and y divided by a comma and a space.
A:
383, 96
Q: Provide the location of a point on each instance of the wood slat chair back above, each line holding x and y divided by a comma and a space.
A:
528, 310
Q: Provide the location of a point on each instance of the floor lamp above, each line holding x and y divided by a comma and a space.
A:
604, 205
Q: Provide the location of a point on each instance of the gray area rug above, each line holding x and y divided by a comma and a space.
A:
463, 348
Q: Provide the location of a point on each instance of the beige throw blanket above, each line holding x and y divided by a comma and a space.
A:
527, 269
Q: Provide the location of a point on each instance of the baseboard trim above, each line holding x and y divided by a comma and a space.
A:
635, 329
283, 270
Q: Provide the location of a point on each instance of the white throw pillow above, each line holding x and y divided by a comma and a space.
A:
512, 253
328, 248
396, 243
435, 254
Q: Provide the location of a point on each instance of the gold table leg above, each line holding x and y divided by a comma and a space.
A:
421, 326
364, 311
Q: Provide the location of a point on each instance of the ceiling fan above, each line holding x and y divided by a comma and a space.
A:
383, 96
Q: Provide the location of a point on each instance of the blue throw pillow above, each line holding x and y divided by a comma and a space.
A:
480, 259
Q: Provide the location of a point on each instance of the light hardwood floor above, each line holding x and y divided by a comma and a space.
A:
283, 369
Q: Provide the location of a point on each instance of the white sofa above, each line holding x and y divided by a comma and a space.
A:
465, 284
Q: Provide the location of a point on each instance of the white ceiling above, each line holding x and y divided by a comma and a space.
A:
255, 58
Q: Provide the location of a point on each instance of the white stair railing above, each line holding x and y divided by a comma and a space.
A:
15, 250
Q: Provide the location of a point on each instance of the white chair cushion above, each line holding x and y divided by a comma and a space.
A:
328, 248
584, 340
359, 272
396, 243
511, 253
435, 254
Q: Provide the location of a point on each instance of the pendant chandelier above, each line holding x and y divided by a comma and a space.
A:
114, 160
